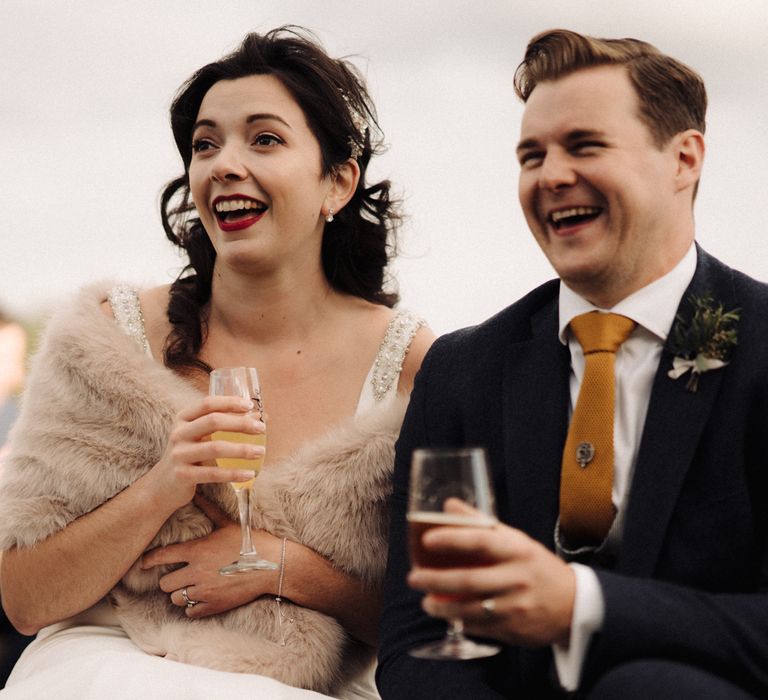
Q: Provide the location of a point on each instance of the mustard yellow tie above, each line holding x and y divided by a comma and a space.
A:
586, 479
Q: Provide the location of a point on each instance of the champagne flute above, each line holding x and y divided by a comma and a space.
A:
438, 475
244, 382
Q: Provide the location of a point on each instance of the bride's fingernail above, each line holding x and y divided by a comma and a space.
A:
245, 475
247, 404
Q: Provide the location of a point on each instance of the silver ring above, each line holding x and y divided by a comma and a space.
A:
189, 602
489, 608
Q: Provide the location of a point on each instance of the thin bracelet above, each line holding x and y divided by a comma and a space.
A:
279, 597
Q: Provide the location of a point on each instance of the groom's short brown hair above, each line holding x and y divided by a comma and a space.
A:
672, 96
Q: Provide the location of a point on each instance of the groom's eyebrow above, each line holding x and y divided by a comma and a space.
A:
570, 137
579, 134
527, 144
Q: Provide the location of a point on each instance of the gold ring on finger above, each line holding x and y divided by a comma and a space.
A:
489, 608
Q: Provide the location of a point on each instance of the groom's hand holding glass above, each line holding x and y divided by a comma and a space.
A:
522, 594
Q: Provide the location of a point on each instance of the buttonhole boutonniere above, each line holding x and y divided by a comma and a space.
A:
702, 342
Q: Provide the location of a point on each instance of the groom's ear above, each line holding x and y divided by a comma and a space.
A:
689, 149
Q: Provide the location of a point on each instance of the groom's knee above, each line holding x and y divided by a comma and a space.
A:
661, 680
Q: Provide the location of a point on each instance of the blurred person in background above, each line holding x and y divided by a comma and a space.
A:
13, 352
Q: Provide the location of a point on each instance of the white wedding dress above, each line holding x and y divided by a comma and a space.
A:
89, 656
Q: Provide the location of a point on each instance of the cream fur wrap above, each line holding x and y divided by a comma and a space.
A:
96, 415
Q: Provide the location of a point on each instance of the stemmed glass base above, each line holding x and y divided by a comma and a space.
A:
455, 646
247, 562
249, 558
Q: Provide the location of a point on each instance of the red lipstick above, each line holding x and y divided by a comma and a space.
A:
240, 223
249, 213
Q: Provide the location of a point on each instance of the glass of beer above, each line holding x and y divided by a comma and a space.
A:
436, 476
244, 382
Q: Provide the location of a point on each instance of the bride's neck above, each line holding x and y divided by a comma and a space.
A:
267, 311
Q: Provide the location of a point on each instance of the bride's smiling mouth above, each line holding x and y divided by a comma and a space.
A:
236, 212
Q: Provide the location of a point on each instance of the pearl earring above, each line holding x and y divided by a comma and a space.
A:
329, 215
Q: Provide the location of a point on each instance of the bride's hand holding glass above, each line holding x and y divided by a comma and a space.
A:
190, 455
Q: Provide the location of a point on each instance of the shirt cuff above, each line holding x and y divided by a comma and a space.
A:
588, 612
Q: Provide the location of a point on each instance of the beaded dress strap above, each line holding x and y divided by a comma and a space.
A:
125, 306
389, 360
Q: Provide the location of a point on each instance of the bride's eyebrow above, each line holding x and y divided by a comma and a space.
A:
203, 122
266, 116
250, 119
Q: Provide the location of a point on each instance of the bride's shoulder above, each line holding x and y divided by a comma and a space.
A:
404, 338
153, 301
148, 307
420, 344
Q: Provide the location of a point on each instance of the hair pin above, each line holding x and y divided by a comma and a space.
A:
356, 141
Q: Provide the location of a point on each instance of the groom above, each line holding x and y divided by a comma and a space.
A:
643, 575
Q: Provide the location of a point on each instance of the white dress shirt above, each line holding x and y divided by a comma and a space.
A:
653, 308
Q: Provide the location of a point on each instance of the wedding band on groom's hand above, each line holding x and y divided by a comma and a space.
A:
489, 608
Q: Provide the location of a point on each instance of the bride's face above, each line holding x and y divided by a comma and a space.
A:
255, 176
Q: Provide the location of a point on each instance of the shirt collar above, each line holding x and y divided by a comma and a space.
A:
653, 307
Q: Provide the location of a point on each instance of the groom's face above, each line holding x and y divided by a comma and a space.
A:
596, 190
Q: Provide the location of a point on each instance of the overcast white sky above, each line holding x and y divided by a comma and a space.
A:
85, 86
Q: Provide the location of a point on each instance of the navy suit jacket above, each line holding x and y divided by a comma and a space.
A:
690, 579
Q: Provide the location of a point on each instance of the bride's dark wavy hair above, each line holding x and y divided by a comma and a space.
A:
356, 246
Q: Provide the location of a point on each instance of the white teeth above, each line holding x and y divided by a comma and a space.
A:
237, 204
557, 216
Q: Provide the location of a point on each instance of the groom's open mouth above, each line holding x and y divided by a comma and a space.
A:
563, 219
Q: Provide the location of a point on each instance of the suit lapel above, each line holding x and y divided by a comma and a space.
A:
674, 424
535, 422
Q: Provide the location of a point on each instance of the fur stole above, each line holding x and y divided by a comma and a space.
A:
96, 415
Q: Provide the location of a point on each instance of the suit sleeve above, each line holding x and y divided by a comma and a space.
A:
725, 633
404, 624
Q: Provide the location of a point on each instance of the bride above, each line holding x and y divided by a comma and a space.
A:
115, 522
